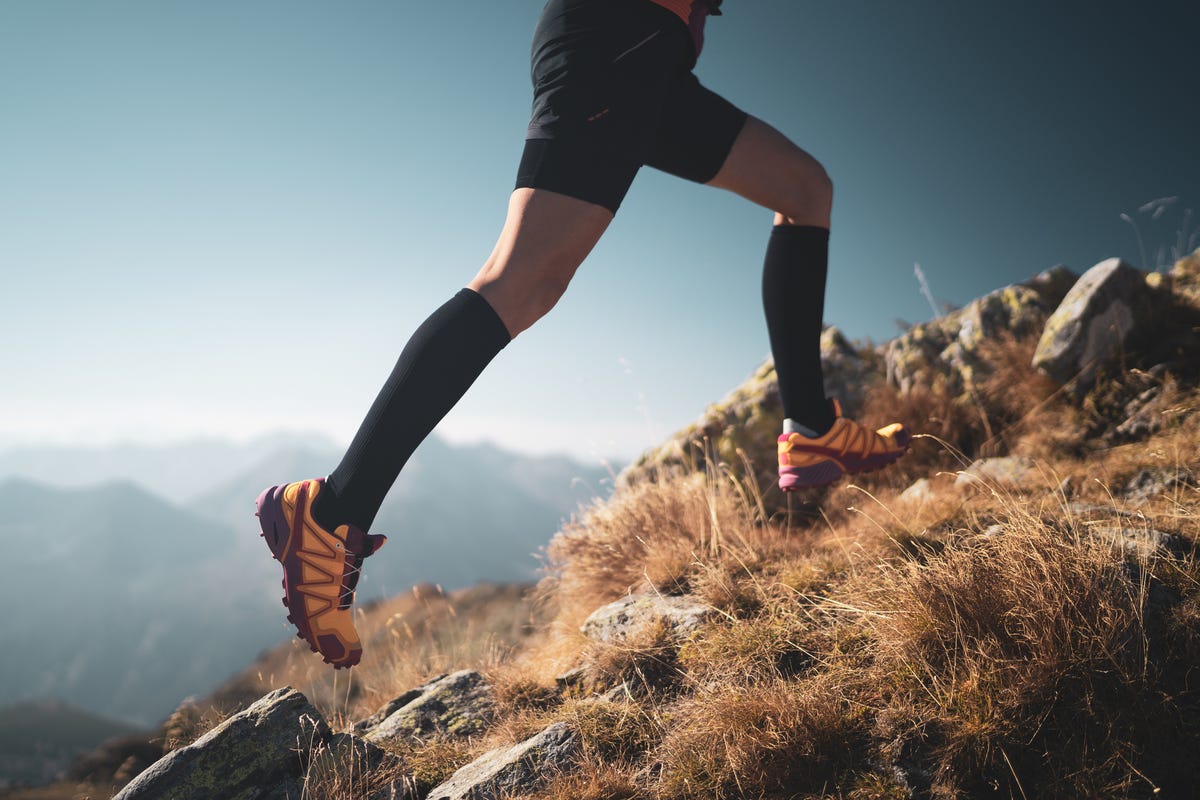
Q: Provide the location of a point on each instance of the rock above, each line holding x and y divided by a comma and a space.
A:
848, 372
1150, 483
919, 492
403, 789
263, 746
392, 706
1053, 284
945, 351
460, 704
1138, 542
750, 419
1014, 472
291, 789
1095, 321
1142, 419
619, 620
516, 770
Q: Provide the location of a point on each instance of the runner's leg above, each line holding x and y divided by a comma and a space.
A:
766, 168
545, 238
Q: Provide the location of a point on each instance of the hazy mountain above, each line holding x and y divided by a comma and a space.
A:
123, 603
40, 739
457, 514
179, 470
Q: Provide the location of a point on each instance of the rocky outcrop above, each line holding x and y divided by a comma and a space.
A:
945, 353
266, 745
505, 771
1095, 321
1010, 472
628, 616
459, 704
750, 419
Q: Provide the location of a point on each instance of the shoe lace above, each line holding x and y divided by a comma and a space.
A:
859, 446
359, 545
350, 577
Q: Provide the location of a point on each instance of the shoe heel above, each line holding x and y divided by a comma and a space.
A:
271, 519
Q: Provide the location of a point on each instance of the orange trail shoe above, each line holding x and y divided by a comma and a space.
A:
847, 449
320, 569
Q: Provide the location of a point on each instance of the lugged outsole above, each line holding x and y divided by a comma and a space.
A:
272, 522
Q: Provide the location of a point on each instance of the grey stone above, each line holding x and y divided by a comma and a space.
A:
1053, 284
848, 373
520, 769
291, 789
1141, 419
919, 492
392, 706
1092, 324
460, 704
623, 618
1138, 542
945, 352
263, 746
403, 789
1150, 483
1015, 472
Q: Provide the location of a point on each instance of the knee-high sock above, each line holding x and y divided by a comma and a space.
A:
794, 300
440, 362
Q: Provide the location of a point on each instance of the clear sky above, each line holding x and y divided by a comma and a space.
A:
192, 191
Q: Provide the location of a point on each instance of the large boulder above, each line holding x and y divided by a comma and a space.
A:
1101, 316
459, 704
510, 771
240, 759
624, 618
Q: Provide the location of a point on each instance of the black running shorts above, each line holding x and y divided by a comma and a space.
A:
613, 89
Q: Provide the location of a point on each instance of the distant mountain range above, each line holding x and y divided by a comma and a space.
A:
40, 739
123, 602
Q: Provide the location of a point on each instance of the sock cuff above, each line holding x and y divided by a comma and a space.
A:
802, 232
488, 317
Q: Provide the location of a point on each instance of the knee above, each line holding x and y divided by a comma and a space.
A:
522, 299
809, 200
542, 296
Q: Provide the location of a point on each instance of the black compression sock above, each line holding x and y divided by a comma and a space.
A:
440, 362
794, 300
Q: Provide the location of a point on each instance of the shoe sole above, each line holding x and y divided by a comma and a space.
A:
272, 520
823, 473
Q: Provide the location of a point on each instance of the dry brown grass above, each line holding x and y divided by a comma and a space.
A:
887, 647
981, 643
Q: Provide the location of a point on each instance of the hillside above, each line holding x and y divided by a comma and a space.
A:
40, 739
1011, 611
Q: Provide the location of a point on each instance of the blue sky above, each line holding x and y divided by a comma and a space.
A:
191, 192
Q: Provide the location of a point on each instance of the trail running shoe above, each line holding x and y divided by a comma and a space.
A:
847, 449
320, 569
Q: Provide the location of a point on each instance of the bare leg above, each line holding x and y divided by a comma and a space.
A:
766, 168
545, 238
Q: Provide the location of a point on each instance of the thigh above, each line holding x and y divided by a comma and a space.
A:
696, 132
767, 168
601, 70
